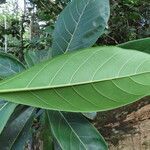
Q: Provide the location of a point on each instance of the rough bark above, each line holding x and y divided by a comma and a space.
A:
127, 128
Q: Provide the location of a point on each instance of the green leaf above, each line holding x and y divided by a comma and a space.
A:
5, 112
9, 65
79, 25
46, 135
17, 131
35, 57
91, 115
94, 79
73, 131
142, 45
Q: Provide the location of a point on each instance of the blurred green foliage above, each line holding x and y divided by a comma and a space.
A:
130, 19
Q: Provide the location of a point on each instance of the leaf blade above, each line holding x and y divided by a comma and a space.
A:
5, 113
124, 73
142, 45
79, 25
16, 131
72, 129
8, 66
46, 135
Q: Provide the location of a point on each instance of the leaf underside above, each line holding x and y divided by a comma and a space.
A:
16, 133
5, 112
8, 67
73, 132
94, 79
79, 25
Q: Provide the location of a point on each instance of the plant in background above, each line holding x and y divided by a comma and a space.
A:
51, 95
129, 20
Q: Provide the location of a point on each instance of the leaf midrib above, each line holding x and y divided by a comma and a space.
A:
69, 85
72, 37
73, 130
18, 134
70, 128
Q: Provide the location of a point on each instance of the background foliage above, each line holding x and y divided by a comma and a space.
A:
129, 20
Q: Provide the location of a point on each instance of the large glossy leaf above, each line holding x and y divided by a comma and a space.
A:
73, 132
9, 65
94, 79
17, 132
142, 45
5, 112
79, 25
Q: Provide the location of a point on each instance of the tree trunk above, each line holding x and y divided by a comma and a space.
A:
127, 128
